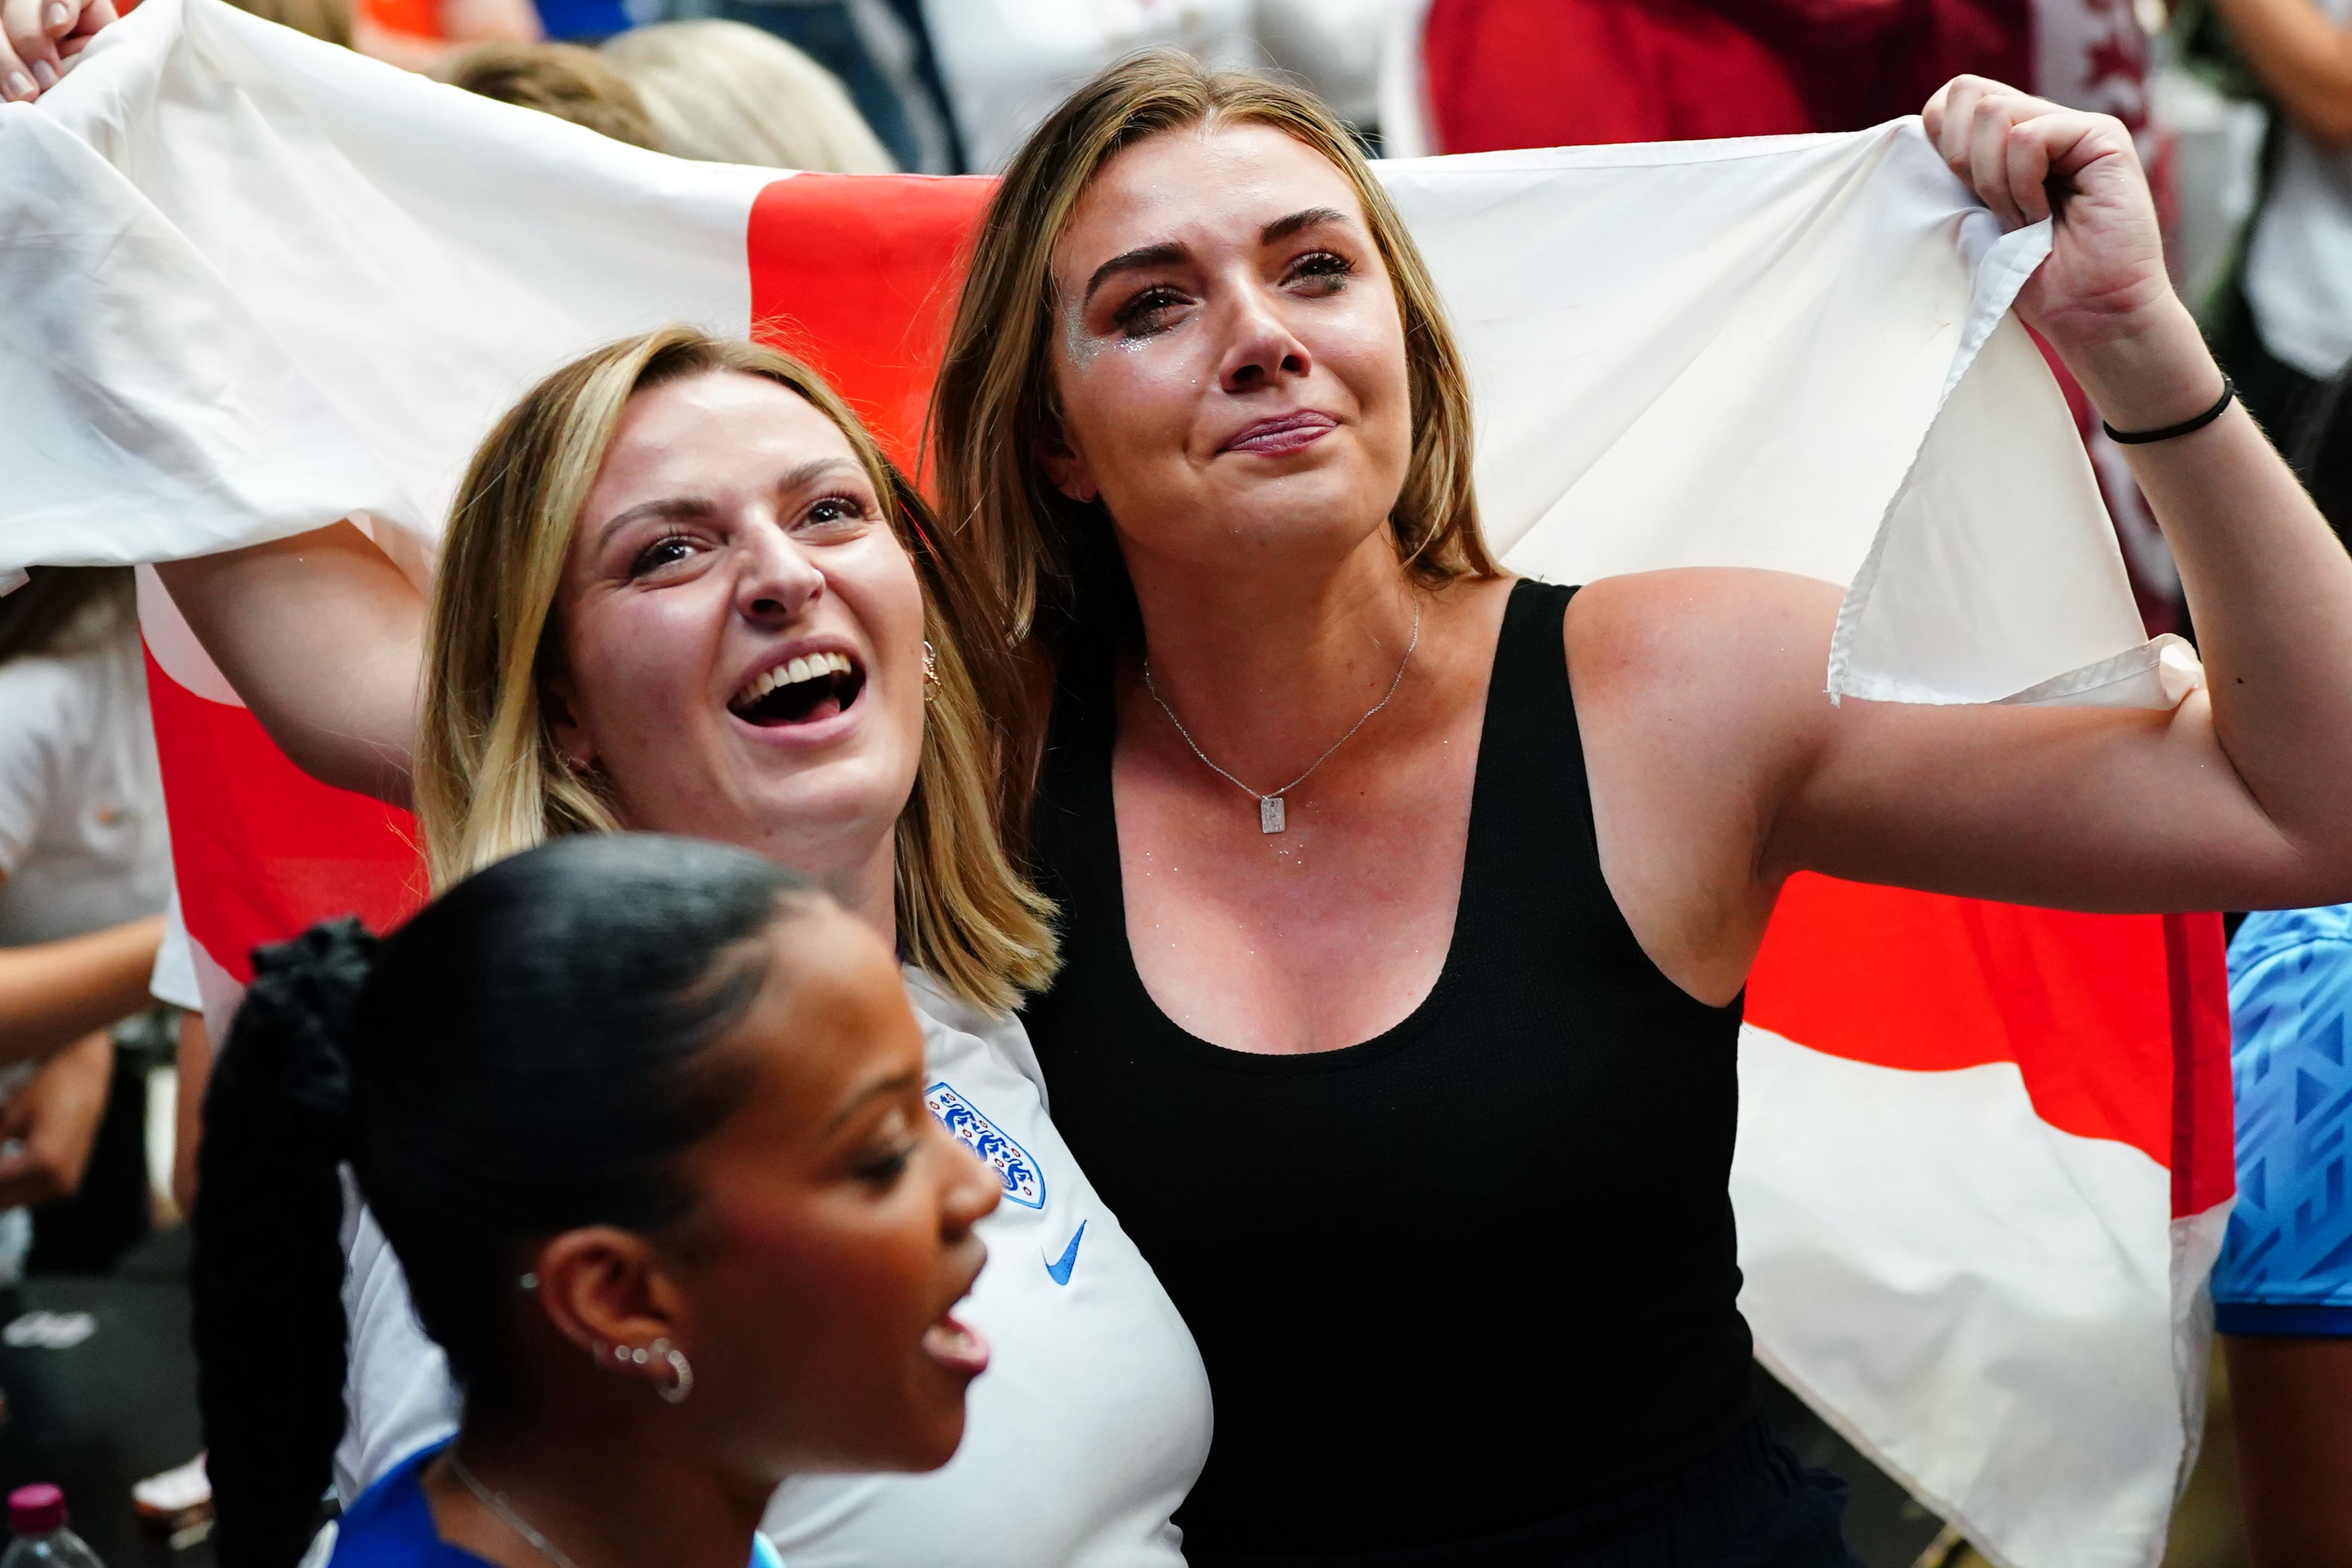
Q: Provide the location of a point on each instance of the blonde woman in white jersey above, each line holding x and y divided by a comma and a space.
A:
684, 592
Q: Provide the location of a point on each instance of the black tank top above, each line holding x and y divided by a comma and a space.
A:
1464, 1276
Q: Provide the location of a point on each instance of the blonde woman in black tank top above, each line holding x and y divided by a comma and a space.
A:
1406, 909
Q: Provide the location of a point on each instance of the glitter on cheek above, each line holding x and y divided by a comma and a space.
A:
1081, 347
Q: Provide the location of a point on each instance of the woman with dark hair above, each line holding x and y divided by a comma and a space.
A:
644, 1120
1416, 902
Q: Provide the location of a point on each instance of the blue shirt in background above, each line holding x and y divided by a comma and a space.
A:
2286, 1263
582, 21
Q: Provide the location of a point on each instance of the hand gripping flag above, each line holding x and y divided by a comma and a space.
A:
258, 284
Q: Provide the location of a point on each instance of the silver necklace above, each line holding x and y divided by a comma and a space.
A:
1270, 810
496, 1503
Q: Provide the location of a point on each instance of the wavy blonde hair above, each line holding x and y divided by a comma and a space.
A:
728, 93
994, 407
490, 780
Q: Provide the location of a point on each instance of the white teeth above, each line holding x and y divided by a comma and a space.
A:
809, 666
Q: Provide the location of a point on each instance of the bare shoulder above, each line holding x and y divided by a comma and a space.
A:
1699, 698
1703, 635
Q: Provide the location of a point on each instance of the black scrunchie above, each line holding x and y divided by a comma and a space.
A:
312, 984
268, 1321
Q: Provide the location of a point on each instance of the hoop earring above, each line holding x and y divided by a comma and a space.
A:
681, 1383
930, 671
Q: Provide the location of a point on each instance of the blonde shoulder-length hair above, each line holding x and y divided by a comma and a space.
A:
993, 408
490, 780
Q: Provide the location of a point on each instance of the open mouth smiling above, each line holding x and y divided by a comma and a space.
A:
954, 1343
804, 689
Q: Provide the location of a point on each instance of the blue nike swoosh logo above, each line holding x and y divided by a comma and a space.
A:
1060, 1272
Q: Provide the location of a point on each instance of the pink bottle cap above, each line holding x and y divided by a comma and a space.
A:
36, 1509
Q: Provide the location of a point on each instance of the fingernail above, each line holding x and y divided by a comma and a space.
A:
58, 15
46, 74
19, 85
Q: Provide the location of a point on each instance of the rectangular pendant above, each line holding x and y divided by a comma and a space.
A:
1269, 813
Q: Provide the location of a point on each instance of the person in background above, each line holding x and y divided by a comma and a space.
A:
85, 870
425, 35
644, 1121
2283, 1289
880, 50
1559, 73
582, 21
52, 991
566, 80
1006, 63
331, 21
172, 1499
2287, 330
727, 93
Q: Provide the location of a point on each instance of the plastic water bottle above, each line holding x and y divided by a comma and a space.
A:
38, 1517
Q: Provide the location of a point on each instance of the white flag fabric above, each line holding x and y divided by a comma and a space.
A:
258, 284
1722, 353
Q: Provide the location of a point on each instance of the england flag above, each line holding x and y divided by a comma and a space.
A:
256, 284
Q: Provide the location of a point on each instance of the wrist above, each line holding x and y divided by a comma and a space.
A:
2146, 370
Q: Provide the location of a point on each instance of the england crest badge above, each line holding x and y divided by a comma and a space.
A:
1025, 1183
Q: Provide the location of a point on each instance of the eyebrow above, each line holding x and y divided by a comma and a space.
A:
896, 1083
1281, 228
689, 507
1168, 252
1165, 253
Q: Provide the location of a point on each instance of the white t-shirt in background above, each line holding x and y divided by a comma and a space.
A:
2299, 262
1082, 1438
83, 844
82, 840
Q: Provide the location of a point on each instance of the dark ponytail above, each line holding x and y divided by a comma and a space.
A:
527, 1055
268, 1268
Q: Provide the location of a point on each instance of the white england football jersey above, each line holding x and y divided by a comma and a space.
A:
1084, 1435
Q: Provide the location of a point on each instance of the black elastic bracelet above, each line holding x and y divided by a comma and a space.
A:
2142, 437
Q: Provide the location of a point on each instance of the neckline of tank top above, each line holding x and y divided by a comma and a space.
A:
1102, 827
